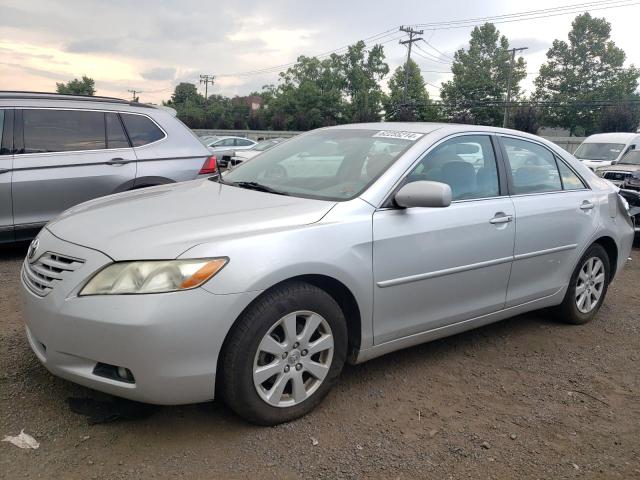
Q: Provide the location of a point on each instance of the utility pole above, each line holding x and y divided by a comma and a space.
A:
513, 51
133, 92
410, 42
207, 79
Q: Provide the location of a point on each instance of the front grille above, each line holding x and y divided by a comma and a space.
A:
42, 275
616, 175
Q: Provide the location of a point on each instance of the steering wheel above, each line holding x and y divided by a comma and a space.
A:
276, 172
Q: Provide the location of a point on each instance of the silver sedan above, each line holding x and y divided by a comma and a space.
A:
341, 244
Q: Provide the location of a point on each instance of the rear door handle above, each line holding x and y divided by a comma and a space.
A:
501, 218
587, 205
118, 161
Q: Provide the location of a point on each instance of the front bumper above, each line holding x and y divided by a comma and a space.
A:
170, 342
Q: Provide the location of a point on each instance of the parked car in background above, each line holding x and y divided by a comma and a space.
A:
625, 173
60, 150
604, 149
344, 243
224, 148
208, 140
242, 155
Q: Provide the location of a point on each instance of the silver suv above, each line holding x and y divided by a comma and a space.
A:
60, 150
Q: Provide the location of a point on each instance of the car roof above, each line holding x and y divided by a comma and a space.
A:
619, 137
18, 95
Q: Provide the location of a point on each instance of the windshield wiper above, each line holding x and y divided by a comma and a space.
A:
256, 186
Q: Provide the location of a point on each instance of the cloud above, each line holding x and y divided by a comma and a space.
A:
159, 73
93, 45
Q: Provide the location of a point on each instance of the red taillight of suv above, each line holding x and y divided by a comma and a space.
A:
210, 166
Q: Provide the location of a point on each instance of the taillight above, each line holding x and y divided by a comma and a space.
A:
210, 166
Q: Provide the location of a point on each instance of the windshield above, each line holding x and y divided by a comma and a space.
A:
599, 151
208, 140
631, 158
335, 164
265, 145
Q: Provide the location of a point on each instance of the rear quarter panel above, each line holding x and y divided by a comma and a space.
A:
176, 158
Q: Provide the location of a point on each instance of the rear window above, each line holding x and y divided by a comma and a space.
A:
141, 129
63, 130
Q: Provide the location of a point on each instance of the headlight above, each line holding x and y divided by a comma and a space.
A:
599, 173
156, 276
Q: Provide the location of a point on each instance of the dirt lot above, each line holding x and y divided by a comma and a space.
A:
524, 398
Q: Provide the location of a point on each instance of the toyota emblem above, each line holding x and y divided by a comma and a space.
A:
33, 248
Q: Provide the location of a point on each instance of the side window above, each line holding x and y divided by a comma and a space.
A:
141, 129
570, 181
227, 142
533, 167
116, 138
467, 164
63, 130
241, 142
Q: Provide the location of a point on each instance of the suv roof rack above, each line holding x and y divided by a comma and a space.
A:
9, 94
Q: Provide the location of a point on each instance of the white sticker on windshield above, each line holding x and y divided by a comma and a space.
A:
398, 134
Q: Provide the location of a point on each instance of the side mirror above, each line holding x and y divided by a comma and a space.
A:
424, 194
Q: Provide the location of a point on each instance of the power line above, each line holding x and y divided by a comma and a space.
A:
408, 43
134, 92
513, 51
207, 79
536, 14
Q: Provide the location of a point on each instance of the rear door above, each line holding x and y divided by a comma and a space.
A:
6, 166
556, 215
66, 157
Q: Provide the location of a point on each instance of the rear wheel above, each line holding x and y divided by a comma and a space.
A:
587, 288
284, 354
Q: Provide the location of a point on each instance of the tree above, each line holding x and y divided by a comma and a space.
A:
527, 119
362, 72
582, 72
620, 118
480, 76
309, 95
418, 103
85, 86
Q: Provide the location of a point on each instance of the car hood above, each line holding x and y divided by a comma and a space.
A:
246, 154
163, 222
620, 167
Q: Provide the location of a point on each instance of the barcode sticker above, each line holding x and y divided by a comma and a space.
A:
398, 134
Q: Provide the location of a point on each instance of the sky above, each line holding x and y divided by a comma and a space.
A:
150, 46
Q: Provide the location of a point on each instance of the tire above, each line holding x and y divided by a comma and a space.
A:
570, 311
259, 344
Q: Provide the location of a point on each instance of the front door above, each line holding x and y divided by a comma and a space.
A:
6, 167
70, 156
438, 266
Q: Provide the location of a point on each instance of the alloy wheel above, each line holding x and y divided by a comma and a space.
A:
293, 359
590, 284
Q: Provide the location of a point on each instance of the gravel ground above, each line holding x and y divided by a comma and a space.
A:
524, 398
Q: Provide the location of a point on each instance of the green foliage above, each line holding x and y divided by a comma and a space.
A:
620, 118
480, 75
418, 107
587, 69
362, 73
85, 86
526, 119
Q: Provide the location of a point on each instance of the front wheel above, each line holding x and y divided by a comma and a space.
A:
587, 288
284, 354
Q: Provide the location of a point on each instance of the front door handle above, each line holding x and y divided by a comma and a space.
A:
4, 170
587, 205
118, 161
501, 218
